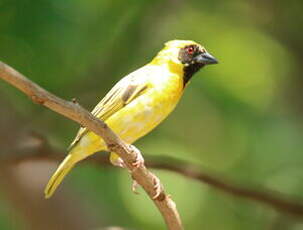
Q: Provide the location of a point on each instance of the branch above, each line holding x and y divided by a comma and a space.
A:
76, 113
41, 150
271, 199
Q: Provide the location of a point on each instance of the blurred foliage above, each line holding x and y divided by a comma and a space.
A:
242, 118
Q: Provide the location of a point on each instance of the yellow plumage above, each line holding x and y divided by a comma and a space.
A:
135, 105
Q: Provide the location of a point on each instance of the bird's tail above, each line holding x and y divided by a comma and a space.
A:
59, 175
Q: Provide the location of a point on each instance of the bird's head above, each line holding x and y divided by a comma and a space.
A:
187, 55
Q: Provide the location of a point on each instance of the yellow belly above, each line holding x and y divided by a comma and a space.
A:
137, 118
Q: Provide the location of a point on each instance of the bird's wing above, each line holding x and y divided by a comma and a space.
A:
125, 91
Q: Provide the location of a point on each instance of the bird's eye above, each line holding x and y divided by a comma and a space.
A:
190, 50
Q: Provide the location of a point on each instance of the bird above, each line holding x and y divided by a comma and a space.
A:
138, 103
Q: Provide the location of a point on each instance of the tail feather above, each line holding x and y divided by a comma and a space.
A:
59, 175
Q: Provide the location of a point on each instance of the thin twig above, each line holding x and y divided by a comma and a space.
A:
43, 151
76, 113
279, 202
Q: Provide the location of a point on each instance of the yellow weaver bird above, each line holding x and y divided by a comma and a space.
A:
138, 102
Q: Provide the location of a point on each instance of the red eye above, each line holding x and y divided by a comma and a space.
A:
190, 50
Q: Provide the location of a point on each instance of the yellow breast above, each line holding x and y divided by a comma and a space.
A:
147, 111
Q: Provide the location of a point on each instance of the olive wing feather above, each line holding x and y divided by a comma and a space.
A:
124, 92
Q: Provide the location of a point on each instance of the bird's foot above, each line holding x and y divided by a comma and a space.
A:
135, 185
157, 187
118, 162
139, 161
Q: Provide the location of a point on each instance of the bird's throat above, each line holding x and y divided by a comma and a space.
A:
190, 70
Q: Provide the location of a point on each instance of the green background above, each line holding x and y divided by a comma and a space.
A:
241, 119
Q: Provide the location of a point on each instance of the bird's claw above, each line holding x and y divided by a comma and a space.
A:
135, 186
139, 161
119, 163
157, 187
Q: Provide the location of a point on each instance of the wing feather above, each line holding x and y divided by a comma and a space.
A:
125, 91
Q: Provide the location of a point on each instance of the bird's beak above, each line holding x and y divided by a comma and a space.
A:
206, 59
